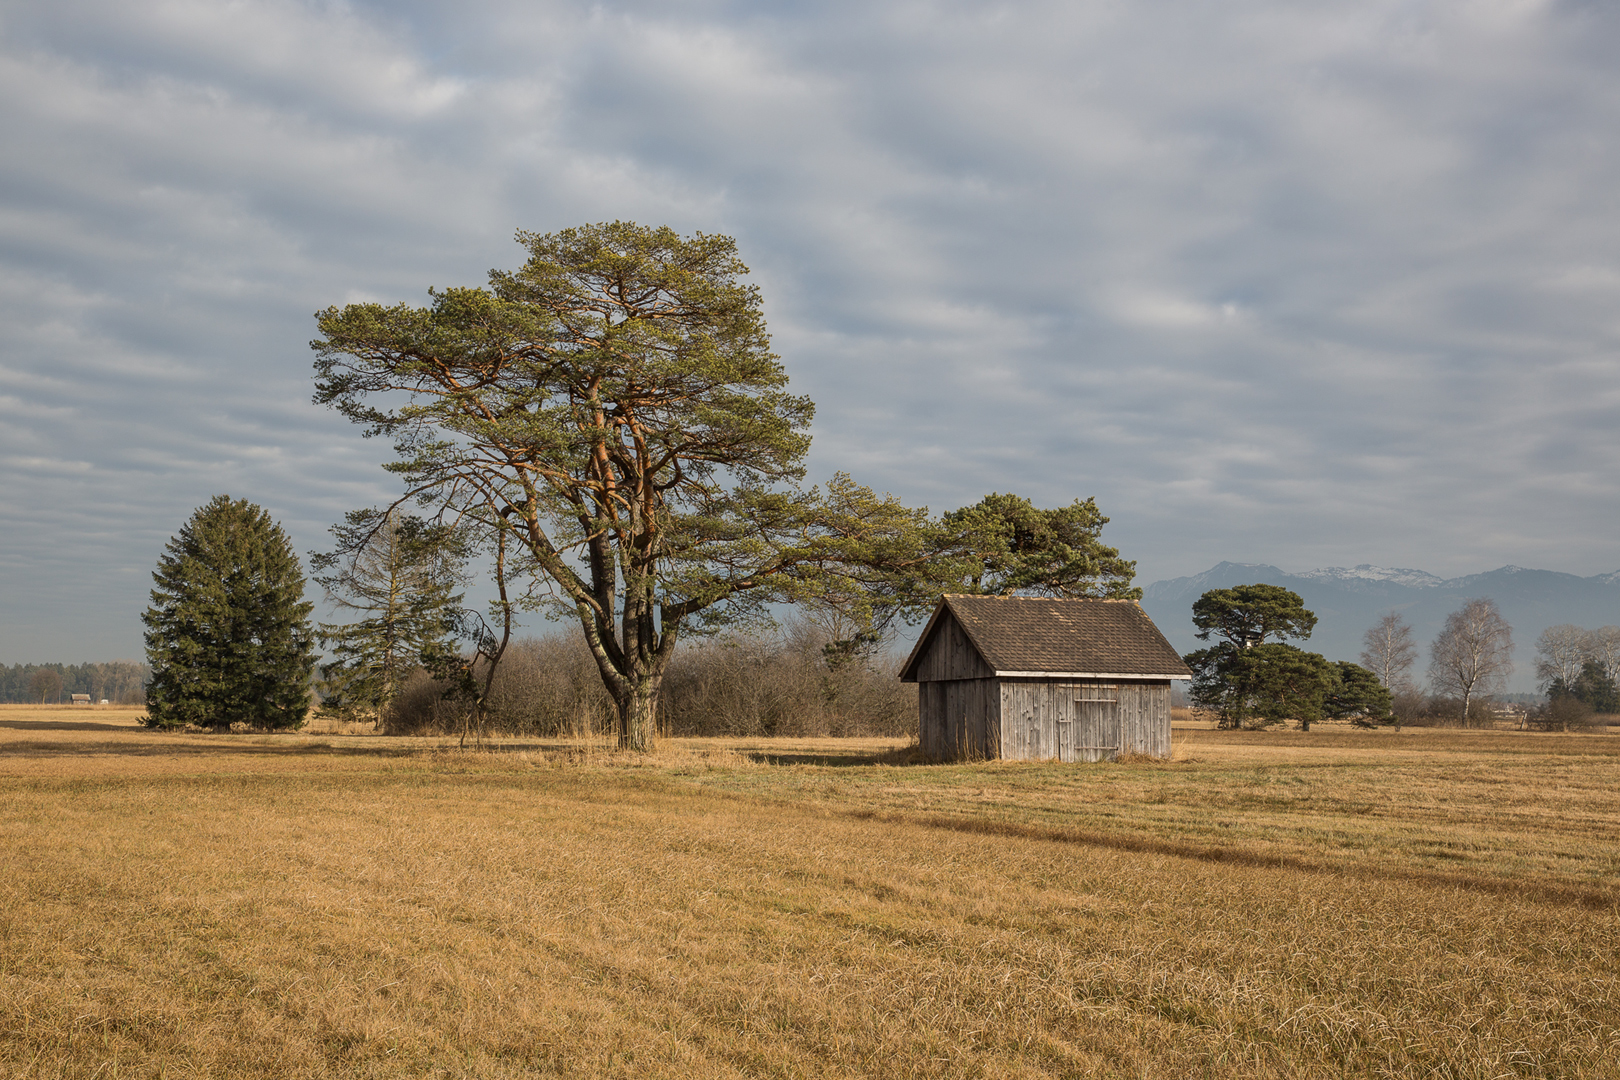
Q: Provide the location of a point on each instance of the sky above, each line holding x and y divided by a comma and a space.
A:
1308, 284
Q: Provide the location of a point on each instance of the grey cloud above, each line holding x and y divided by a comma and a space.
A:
1300, 284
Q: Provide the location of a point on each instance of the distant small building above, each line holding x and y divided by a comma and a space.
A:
1032, 678
81, 699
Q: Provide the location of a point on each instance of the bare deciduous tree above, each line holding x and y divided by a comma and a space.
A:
1473, 654
46, 685
1388, 650
1604, 649
1560, 652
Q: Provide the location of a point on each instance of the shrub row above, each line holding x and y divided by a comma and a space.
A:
731, 686
1417, 709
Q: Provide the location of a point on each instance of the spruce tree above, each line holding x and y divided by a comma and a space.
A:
228, 633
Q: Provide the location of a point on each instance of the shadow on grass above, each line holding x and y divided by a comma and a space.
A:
65, 725
1597, 897
124, 740
161, 745
901, 755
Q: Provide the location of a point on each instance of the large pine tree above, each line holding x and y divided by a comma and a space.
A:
228, 633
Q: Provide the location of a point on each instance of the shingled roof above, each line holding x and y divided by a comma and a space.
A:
1029, 635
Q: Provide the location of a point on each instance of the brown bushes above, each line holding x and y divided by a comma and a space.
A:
737, 685
783, 686
1564, 712
1417, 709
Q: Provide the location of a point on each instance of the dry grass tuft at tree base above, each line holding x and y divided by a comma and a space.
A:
1264, 905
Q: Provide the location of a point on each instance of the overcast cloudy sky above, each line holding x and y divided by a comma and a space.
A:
1302, 283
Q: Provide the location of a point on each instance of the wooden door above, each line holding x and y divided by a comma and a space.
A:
1098, 737
1065, 740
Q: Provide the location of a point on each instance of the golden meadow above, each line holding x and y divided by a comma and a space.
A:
1422, 903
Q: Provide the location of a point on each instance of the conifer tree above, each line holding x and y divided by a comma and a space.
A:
1014, 548
396, 571
1246, 679
227, 634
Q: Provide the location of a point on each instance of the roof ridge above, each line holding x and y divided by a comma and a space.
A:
1053, 633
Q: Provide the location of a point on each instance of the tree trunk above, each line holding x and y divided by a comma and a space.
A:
638, 714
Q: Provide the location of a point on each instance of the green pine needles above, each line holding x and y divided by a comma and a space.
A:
397, 572
228, 633
1248, 681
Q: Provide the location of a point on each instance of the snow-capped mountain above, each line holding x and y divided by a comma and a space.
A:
1349, 600
1418, 579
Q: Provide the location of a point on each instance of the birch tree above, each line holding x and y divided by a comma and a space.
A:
1473, 653
1388, 650
1604, 646
1560, 652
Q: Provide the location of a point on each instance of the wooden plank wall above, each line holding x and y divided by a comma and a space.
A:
959, 720
1032, 711
950, 655
931, 718
958, 702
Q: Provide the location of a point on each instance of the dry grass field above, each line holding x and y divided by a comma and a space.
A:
1425, 904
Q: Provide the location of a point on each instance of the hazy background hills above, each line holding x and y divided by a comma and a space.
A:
1349, 600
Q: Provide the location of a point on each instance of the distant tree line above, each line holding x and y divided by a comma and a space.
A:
122, 682
1469, 662
1252, 678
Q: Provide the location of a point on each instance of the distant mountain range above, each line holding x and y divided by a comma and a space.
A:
1348, 600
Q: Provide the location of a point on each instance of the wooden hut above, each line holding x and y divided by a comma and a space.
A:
1030, 678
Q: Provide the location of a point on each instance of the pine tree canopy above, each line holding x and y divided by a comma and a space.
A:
1012, 547
1246, 679
227, 634
614, 410
1250, 614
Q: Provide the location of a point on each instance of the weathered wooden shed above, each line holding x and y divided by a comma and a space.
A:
1030, 678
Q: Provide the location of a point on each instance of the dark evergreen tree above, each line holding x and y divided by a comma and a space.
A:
1357, 694
1286, 683
1592, 687
1249, 614
228, 633
1247, 680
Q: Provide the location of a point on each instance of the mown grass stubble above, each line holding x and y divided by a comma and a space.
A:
286, 909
